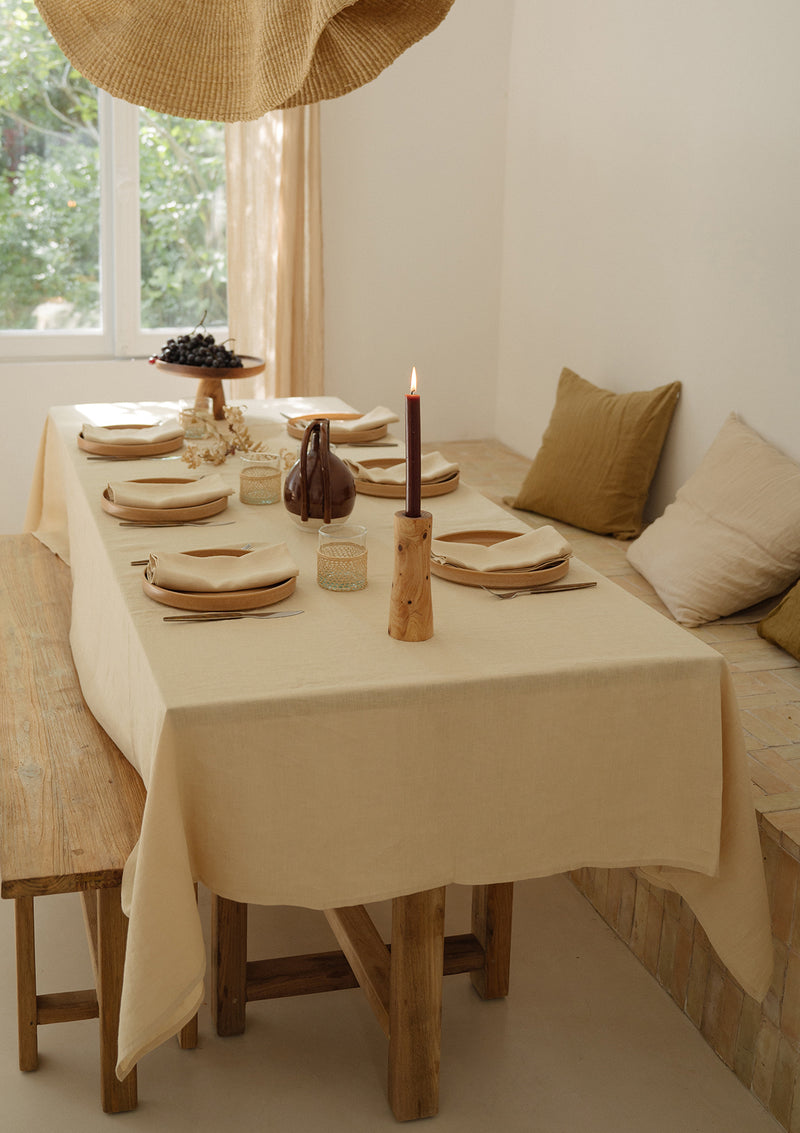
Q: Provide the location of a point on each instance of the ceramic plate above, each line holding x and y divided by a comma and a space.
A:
497, 579
133, 450
220, 599
398, 491
163, 514
296, 427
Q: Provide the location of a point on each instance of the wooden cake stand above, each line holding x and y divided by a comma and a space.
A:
210, 380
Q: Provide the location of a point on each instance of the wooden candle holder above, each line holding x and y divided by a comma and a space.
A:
410, 610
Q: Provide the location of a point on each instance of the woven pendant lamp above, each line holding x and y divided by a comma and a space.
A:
233, 60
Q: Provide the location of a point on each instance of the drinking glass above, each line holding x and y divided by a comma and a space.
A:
342, 557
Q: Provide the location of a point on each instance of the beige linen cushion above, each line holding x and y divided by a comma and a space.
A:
732, 536
598, 456
781, 626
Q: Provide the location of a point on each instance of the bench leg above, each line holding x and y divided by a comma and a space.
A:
491, 924
112, 931
27, 1020
229, 952
415, 1004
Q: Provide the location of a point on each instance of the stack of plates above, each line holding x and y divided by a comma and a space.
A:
163, 514
220, 600
297, 426
498, 579
153, 448
398, 491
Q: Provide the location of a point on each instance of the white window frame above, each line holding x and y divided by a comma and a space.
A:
119, 335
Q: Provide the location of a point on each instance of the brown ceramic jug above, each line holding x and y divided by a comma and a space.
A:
319, 487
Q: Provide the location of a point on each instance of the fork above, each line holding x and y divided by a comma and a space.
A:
538, 589
183, 523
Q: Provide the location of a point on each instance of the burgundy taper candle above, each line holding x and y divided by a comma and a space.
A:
413, 451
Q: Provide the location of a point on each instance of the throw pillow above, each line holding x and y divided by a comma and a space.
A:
781, 626
598, 456
732, 536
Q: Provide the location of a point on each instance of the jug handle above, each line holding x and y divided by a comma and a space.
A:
324, 453
321, 426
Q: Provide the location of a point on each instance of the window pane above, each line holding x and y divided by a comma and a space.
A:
182, 199
49, 181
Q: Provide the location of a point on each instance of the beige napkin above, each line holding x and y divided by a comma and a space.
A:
525, 552
378, 416
153, 434
194, 492
263, 566
434, 468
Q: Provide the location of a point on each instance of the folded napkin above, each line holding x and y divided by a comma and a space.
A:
194, 492
263, 566
151, 435
433, 466
525, 552
378, 416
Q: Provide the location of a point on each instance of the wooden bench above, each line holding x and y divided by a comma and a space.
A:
402, 981
70, 807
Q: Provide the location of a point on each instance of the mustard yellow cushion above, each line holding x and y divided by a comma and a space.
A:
598, 456
781, 626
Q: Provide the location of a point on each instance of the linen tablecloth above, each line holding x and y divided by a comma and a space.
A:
316, 761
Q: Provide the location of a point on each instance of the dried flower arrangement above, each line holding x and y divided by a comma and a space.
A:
217, 445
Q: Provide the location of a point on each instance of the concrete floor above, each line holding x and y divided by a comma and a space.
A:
587, 1041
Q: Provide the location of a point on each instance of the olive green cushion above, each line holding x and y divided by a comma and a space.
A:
598, 456
782, 625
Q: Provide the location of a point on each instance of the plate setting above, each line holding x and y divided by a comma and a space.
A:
153, 448
296, 427
219, 600
163, 514
498, 579
398, 491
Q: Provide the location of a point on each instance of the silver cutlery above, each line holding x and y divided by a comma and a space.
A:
184, 523
176, 456
539, 589
228, 616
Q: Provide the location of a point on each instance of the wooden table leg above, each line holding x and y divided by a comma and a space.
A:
27, 1020
112, 931
229, 952
491, 924
415, 1004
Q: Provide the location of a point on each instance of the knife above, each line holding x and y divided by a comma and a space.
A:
227, 616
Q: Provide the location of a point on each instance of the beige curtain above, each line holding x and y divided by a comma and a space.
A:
275, 291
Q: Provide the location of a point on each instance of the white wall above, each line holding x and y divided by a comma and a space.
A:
652, 214
639, 223
412, 169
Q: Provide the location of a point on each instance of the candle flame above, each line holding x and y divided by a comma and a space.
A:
413, 379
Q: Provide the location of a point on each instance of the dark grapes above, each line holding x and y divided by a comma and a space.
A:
198, 349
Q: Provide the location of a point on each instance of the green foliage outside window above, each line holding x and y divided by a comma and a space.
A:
50, 195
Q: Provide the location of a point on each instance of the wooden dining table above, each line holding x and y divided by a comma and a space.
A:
317, 761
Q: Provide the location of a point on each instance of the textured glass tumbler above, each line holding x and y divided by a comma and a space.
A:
260, 478
193, 416
342, 557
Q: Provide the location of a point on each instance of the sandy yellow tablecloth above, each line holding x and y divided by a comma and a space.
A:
316, 761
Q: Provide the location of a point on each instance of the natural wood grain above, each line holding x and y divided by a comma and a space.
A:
64, 783
112, 929
415, 1004
26, 984
491, 923
366, 954
229, 960
410, 606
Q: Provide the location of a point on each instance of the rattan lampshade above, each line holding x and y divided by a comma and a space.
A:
233, 60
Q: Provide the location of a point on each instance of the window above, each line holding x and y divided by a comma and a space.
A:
112, 218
